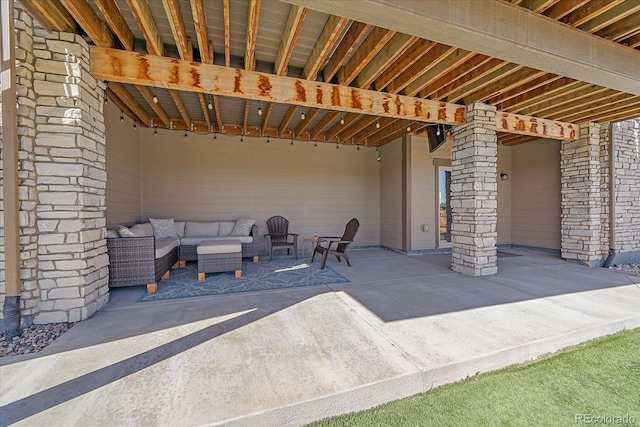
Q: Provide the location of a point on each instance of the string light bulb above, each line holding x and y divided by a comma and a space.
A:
135, 126
408, 128
155, 131
315, 145
341, 120
377, 124
155, 98
337, 145
303, 116
121, 116
438, 131
215, 136
268, 140
186, 134
259, 111
210, 105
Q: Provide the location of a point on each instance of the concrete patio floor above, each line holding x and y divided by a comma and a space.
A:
402, 325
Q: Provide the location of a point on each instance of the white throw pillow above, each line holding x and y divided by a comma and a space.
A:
143, 230
125, 232
163, 228
242, 227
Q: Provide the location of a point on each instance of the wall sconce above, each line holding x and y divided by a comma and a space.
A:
504, 176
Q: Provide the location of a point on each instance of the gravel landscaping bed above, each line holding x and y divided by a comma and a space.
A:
633, 269
32, 339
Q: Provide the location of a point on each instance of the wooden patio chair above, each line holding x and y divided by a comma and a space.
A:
278, 236
324, 246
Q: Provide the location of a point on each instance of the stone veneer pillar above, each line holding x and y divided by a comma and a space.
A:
62, 176
581, 204
474, 193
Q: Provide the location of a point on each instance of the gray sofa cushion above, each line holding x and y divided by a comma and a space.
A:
163, 228
180, 228
164, 246
226, 227
143, 230
194, 228
193, 241
242, 227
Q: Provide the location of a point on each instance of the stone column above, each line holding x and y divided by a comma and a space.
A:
580, 197
474, 193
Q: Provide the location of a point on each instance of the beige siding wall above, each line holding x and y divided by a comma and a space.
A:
391, 195
317, 189
535, 185
123, 195
504, 196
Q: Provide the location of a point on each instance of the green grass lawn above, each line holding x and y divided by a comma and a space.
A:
601, 377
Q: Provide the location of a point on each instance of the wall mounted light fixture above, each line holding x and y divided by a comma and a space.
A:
504, 176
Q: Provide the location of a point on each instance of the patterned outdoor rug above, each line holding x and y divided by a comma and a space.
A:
277, 274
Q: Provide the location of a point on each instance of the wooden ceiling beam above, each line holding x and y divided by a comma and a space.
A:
597, 98
553, 89
369, 48
589, 11
505, 84
252, 35
328, 117
297, 15
148, 96
367, 131
610, 16
458, 72
538, 6
523, 89
389, 55
434, 55
116, 21
490, 78
436, 69
265, 117
574, 98
348, 119
330, 35
623, 28
177, 100
130, 102
205, 110
363, 122
218, 112
633, 41
174, 15
286, 120
308, 117
563, 8
90, 22
52, 13
467, 80
33, 8
616, 114
125, 67
205, 46
227, 33
124, 108
352, 38
534, 126
600, 107
142, 15
414, 53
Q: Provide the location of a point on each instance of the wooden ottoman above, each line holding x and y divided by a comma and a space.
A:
219, 255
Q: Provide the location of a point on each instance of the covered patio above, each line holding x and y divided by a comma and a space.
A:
400, 326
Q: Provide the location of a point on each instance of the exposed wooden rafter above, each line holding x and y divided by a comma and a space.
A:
227, 35
116, 21
183, 42
252, 35
142, 15
370, 47
296, 18
330, 35
352, 38
51, 13
131, 103
205, 46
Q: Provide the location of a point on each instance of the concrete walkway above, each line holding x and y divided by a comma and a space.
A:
402, 325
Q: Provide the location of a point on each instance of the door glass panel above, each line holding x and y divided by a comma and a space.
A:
444, 181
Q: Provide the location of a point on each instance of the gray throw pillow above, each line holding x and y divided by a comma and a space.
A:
242, 227
125, 232
163, 228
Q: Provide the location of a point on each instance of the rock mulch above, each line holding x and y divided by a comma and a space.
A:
32, 339
633, 269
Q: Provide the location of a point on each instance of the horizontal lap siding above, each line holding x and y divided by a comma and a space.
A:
317, 188
535, 190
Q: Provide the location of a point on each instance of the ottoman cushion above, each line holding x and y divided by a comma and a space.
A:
210, 247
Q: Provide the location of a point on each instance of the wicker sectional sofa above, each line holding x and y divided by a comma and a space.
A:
143, 259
